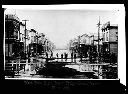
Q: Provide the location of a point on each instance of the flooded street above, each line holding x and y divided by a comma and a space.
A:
77, 67
60, 44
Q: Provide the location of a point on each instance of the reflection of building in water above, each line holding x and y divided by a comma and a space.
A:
110, 38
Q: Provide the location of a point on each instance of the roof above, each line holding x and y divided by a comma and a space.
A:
113, 26
32, 30
22, 24
108, 25
12, 17
41, 34
84, 35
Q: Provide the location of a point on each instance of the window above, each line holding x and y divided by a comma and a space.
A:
106, 36
117, 38
103, 36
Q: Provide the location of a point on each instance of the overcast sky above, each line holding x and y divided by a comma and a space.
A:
62, 25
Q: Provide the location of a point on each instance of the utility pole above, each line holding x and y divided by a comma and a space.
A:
98, 38
25, 37
90, 47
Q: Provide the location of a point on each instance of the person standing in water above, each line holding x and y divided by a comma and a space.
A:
51, 54
65, 56
72, 57
57, 56
46, 55
61, 57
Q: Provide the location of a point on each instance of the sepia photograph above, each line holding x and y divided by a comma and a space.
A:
61, 43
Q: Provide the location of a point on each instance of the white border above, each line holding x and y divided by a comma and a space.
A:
121, 29
67, 7
29, 78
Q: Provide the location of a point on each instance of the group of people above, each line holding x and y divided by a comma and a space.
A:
73, 55
51, 56
63, 56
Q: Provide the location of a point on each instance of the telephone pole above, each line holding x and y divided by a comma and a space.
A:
25, 37
98, 38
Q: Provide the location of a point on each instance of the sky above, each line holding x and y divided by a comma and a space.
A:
60, 26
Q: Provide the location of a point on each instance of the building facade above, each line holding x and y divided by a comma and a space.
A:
12, 38
33, 41
110, 41
110, 38
41, 43
22, 39
84, 45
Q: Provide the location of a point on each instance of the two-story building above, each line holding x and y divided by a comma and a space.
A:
33, 41
110, 38
12, 28
84, 45
41, 43
22, 38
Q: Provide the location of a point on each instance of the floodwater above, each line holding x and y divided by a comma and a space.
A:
77, 67
69, 56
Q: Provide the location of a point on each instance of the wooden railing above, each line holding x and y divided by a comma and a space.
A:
17, 65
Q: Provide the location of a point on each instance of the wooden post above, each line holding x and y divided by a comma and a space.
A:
98, 71
18, 65
12, 65
101, 71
